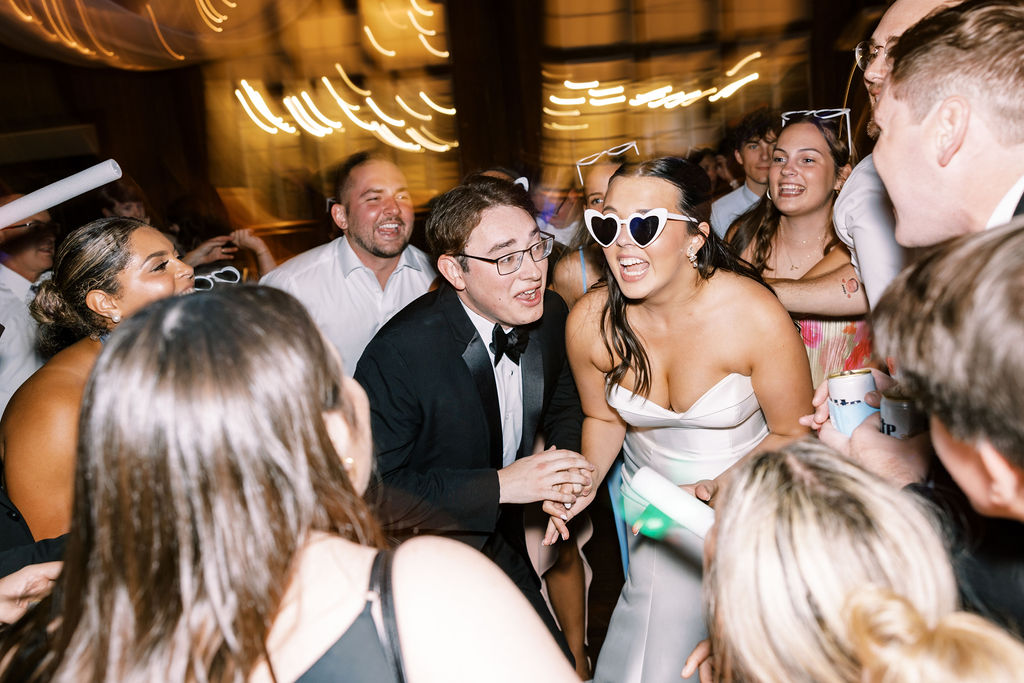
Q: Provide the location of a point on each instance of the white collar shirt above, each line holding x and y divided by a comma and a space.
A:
344, 297
18, 355
1006, 206
508, 379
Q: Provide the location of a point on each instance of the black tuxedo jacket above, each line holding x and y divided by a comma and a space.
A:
434, 413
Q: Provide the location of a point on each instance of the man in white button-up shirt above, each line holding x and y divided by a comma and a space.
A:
25, 253
353, 285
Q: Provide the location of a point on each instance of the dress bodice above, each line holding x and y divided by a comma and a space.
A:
723, 424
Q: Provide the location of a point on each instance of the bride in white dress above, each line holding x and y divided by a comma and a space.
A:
687, 362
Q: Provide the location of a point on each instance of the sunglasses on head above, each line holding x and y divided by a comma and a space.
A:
643, 228
611, 152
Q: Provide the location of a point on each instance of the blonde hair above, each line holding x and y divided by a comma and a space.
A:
799, 529
895, 644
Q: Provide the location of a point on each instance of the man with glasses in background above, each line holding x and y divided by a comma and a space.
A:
26, 252
462, 380
862, 215
752, 141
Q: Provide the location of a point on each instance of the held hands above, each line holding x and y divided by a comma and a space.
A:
548, 476
248, 240
25, 586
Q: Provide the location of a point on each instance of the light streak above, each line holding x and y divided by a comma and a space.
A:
317, 113
743, 62
377, 46
252, 115
412, 112
443, 54
581, 85
384, 117
567, 101
436, 107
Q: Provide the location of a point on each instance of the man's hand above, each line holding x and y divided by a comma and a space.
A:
540, 476
27, 585
699, 661
883, 382
898, 461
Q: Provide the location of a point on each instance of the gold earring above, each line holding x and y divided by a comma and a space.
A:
349, 463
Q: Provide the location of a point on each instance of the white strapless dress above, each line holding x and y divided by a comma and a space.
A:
658, 618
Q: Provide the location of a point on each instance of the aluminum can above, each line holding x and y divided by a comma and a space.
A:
846, 405
901, 418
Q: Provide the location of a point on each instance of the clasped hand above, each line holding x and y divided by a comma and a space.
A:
554, 476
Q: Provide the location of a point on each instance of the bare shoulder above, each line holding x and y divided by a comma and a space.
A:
750, 304
585, 316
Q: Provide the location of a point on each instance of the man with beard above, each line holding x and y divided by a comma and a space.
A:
353, 285
863, 215
25, 254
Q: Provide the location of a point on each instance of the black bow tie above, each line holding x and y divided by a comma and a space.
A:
511, 344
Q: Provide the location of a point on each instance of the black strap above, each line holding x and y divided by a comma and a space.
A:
1020, 207
384, 617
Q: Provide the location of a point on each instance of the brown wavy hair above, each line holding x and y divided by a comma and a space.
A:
203, 467
760, 225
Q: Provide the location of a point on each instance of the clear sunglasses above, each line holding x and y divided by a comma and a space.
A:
611, 152
227, 274
643, 228
821, 115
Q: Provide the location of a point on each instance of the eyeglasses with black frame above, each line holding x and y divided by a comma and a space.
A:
513, 261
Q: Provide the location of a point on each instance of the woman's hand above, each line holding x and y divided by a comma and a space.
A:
213, 249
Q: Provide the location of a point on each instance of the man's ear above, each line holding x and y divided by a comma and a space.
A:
949, 127
102, 303
339, 215
1005, 480
739, 157
451, 270
841, 177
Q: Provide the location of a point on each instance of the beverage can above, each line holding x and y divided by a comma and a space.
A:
901, 418
846, 405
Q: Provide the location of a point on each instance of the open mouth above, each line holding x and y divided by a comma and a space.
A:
633, 268
790, 190
529, 297
391, 228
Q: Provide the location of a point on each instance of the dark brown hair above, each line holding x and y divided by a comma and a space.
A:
89, 258
203, 466
457, 212
694, 188
953, 322
760, 224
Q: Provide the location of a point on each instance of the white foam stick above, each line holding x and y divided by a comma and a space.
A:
56, 193
676, 503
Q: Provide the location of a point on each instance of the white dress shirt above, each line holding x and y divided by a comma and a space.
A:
344, 297
865, 223
18, 355
508, 380
728, 208
1007, 205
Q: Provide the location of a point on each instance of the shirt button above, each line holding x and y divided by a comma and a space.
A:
13, 515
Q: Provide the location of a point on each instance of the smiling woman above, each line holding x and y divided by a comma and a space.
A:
687, 362
103, 272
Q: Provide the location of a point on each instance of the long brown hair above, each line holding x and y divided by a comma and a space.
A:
760, 224
204, 465
694, 193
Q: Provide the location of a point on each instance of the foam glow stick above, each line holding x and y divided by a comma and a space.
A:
675, 503
56, 193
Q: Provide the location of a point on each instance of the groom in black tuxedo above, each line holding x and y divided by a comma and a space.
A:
463, 379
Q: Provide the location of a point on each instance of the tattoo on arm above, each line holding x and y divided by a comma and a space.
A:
850, 287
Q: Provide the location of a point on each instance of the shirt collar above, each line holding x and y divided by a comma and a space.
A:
1006, 206
484, 327
14, 282
350, 261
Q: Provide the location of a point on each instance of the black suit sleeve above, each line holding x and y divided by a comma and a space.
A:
420, 488
563, 419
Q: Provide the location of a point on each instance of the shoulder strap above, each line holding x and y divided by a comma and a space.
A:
384, 612
583, 270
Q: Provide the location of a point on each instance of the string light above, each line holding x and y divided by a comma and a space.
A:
606, 92
160, 36
377, 46
650, 95
443, 54
303, 119
89, 31
346, 109
416, 24
567, 101
262, 108
230, 4
337, 98
412, 112
564, 126
24, 16
349, 83
450, 143
742, 63
555, 112
420, 10
207, 19
386, 135
423, 141
606, 101
399, 123
436, 107
315, 111
733, 87
252, 115
581, 86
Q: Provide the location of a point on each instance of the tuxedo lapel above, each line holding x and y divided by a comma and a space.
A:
478, 361
532, 368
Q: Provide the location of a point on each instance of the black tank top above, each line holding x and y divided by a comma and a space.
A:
364, 653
